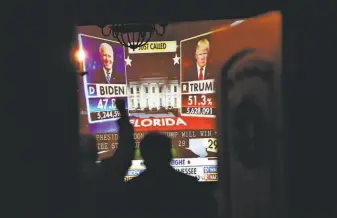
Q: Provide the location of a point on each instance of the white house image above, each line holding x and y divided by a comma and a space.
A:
154, 93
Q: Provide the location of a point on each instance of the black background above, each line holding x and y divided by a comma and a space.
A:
40, 185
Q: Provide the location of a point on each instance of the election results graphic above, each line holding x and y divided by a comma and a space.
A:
169, 85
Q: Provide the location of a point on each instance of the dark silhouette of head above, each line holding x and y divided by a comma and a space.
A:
155, 149
88, 148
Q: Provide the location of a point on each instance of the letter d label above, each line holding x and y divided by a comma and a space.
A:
91, 90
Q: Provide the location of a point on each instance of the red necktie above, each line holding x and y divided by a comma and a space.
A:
201, 76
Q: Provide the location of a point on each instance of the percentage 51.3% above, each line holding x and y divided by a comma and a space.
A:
199, 100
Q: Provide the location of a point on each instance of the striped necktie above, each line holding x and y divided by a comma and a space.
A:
108, 76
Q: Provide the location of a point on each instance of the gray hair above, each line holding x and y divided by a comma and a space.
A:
106, 46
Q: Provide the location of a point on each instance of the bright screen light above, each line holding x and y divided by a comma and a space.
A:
80, 55
168, 84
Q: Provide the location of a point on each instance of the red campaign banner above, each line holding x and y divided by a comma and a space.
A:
173, 124
198, 100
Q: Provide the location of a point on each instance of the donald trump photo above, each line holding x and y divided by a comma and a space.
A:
201, 70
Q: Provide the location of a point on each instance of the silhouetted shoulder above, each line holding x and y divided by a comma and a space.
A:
140, 180
172, 179
186, 178
153, 193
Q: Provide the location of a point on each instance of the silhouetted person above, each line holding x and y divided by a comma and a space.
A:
42, 179
161, 191
102, 185
88, 173
111, 187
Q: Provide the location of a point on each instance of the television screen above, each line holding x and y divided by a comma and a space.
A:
168, 85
